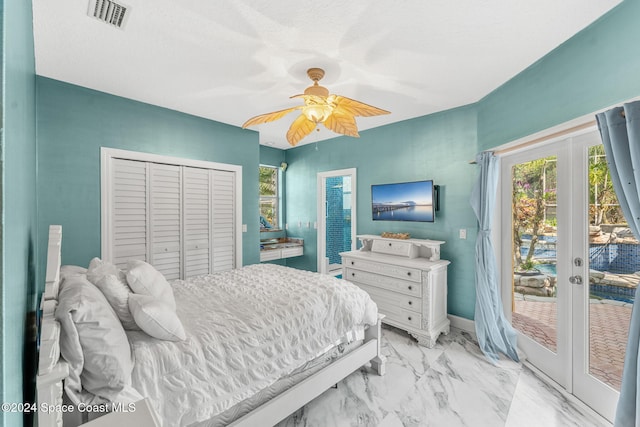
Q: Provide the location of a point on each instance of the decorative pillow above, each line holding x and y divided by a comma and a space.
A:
71, 270
99, 268
146, 280
94, 344
112, 283
156, 318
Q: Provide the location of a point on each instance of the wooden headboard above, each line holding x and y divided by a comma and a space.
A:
51, 369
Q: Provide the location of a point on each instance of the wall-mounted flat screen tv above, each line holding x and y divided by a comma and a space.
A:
405, 201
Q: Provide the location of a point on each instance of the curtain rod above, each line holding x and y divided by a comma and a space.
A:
542, 139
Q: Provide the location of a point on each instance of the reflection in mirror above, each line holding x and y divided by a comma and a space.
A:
266, 225
270, 203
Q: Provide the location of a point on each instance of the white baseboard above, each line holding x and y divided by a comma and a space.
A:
462, 324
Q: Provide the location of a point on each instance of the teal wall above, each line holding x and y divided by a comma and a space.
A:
271, 156
436, 147
18, 199
596, 68
74, 122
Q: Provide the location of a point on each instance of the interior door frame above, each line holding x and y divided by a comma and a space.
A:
322, 223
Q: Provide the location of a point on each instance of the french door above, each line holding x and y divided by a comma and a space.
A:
570, 298
336, 218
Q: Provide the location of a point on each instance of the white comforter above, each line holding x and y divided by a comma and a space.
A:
245, 329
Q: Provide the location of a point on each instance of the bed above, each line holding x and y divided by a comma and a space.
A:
258, 343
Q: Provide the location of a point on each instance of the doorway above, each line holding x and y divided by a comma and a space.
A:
568, 259
336, 218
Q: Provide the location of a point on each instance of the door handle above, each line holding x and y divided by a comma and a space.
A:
576, 280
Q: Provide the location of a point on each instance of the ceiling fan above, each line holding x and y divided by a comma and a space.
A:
336, 112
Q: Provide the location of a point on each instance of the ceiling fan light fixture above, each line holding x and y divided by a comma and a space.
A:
317, 113
317, 90
337, 113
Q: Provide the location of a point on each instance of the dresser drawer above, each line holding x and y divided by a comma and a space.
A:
401, 300
400, 315
404, 249
384, 282
412, 274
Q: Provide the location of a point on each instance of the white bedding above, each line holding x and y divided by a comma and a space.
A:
245, 329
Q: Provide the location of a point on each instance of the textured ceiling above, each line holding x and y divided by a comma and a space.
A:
230, 60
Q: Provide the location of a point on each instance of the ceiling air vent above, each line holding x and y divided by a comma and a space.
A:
109, 12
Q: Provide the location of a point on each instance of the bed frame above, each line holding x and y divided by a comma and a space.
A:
52, 369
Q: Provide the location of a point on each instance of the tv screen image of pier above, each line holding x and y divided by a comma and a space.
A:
407, 201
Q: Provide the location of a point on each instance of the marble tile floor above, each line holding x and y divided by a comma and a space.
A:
450, 385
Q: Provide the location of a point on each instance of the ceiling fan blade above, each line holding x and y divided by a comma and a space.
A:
300, 128
268, 117
355, 108
344, 124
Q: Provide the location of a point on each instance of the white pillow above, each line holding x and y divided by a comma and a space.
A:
94, 344
71, 270
117, 293
112, 283
99, 268
146, 280
156, 318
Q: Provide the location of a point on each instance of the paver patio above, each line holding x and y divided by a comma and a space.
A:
609, 324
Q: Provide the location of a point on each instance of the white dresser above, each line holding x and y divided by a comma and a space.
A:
408, 281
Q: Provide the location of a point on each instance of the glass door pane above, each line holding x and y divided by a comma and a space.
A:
338, 219
614, 257
534, 254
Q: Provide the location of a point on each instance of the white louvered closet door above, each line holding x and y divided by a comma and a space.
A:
165, 222
129, 211
222, 220
181, 218
197, 226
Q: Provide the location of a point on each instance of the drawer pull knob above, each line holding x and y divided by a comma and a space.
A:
352, 262
410, 287
409, 318
389, 244
408, 273
410, 302
353, 274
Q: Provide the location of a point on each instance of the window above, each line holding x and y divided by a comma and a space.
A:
269, 198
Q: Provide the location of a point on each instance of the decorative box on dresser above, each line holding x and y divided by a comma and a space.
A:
407, 280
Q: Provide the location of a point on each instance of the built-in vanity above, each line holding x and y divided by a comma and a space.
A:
407, 280
280, 247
